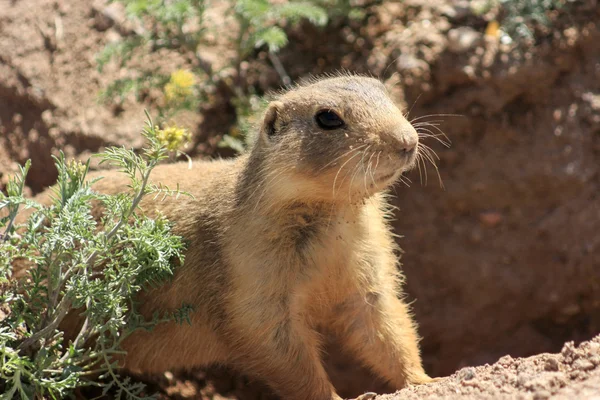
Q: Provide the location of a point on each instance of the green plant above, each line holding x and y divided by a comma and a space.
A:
180, 26
177, 25
260, 24
77, 264
249, 110
520, 14
518, 17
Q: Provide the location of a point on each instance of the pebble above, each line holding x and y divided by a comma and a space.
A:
466, 374
551, 365
490, 218
582, 364
462, 39
459, 10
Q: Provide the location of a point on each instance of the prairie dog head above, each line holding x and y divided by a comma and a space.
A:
335, 139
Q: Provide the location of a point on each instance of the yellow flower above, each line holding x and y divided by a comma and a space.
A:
173, 137
76, 168
493, 30
179, 86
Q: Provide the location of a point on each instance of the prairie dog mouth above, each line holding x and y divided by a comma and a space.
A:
395, 171
387, 178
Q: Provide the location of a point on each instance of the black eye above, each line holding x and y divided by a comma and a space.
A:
327, 119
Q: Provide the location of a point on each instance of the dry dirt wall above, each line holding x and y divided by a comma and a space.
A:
506, 259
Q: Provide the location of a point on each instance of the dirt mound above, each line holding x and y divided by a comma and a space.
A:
574, 373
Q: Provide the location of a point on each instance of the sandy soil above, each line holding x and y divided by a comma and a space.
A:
504, 261
571, 374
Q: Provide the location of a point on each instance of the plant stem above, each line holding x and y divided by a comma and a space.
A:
61, 312
285, 78
13, 216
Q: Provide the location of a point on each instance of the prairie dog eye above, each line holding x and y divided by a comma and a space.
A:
328, 120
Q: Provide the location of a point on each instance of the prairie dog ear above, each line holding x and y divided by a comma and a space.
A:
271, 120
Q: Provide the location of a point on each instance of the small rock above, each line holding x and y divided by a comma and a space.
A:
568, 350
169, 376
523, 380
490, 218
408, 62
459, 10
571, 309
463, 39
575, 375
466, 374
583, 365
106, 17
593, 348
551, 365
541, 395
593, 99
506, 361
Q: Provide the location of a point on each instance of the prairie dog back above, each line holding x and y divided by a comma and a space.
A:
286, 240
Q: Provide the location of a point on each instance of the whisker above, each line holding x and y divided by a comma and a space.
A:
402, 179
428, 157
435, 115
432, 122
343, 155
425, 128
390, 86
419, 167
369, 165
377, 163
422, 159
374, 170
411, 107
348, 173
429, 154
395, 190
339, 170
431, 151
441, 132
426, 133
356, 170
389, 65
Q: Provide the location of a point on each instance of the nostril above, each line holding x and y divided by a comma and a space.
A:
405, 139
408, 148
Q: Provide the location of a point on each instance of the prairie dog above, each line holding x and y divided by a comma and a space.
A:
286, 241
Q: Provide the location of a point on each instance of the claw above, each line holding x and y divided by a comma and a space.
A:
366, 396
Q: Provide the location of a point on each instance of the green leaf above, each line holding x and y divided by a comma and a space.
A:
296, 11
76, 264
121, 50
253, 10
232, 143
274, 37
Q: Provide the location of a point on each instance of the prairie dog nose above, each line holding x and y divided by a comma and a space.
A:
408, 146
406, 139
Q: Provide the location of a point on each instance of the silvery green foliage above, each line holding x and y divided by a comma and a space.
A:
180, 25
259, 21
521, 15
80, 266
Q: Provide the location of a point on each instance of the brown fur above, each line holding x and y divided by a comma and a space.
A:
284, 240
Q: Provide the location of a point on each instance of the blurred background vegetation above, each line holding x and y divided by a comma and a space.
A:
504, 260
180, 26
